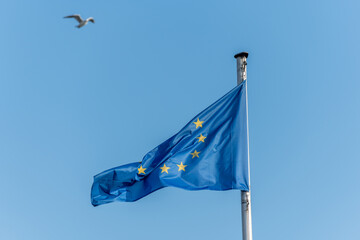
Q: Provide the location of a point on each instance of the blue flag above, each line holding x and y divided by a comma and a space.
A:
210, 152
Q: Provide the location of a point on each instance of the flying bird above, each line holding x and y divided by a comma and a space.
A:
80, 20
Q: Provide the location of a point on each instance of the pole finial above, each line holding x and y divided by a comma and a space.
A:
241, 66
242, 54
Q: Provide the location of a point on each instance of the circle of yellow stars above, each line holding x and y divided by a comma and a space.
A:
181, 166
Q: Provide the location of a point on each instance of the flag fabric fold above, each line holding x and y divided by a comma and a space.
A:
210, 152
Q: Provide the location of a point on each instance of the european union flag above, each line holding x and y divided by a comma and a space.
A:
210, 152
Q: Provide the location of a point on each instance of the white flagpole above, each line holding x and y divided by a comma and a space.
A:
245, 196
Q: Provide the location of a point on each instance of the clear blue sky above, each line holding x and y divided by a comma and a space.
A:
75, 102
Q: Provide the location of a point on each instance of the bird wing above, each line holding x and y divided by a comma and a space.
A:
91, 19
76, 16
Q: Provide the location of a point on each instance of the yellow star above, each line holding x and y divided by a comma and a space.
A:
141, 170
181, 167
195, 154
198, 123
201, 138
164, 168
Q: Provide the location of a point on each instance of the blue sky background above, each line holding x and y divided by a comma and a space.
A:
75, 102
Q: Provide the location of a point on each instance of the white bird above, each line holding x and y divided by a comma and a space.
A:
80, 20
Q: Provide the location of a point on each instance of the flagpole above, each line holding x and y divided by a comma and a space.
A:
245, 195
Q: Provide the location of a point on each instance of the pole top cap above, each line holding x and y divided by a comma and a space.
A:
242, 54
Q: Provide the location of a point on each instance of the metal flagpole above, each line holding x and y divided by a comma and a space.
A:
245, 196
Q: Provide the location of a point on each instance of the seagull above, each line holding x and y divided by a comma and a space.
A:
80, 20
